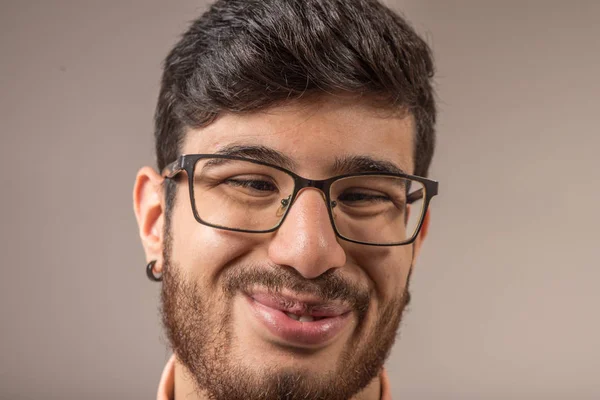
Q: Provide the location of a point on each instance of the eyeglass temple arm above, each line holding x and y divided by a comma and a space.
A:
172, 169
414, 196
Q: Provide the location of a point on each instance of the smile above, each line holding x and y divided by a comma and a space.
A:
299, 321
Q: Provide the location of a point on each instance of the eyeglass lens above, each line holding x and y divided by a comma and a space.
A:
248, 196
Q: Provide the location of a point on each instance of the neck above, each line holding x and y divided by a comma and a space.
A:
185, 387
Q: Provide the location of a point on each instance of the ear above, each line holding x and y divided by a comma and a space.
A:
148, 204
422, 235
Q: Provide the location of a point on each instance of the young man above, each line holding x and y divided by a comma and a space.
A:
293, 139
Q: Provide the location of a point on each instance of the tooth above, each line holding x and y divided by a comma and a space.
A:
292, 316
306, 318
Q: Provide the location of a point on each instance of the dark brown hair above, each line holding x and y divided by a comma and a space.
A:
245, 55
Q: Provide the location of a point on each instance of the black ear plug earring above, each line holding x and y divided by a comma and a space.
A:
150, 272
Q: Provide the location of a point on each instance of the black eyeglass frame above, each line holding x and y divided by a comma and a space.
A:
187, 163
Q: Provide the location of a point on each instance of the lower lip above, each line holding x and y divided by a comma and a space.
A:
315, 333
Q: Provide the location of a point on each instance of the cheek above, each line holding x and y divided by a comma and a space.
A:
386, 267
202, 252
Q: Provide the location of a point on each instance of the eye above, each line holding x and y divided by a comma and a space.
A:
252, 184
362, 197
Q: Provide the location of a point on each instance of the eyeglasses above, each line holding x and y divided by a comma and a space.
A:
245, 195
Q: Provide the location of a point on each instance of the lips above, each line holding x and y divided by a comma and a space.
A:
299, 320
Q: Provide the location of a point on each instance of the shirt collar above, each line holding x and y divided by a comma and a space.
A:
166, 387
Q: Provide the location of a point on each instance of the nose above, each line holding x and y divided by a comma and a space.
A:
305, 240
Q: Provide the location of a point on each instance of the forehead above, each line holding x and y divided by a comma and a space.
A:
314, 133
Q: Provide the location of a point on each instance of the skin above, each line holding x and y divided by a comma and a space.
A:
312, 133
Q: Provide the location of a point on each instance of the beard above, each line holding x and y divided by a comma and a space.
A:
203, 340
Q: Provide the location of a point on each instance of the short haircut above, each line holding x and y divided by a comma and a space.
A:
247, 55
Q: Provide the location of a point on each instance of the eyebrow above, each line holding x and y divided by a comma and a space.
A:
342, 165
259, 153
359, 164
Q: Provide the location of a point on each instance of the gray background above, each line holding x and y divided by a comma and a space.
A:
505, 294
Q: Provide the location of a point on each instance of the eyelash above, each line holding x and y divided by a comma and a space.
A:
363, 197
249, 183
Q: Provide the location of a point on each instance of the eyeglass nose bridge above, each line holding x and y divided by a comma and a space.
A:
321, 185
302, 184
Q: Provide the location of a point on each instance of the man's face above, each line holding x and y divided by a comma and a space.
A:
227, 295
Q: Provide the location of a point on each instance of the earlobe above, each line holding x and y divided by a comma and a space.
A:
148, 205
422, 235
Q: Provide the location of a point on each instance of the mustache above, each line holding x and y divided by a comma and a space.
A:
329, 286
